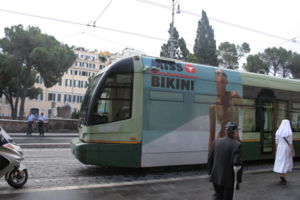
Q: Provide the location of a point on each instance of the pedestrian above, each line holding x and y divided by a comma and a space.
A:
30, 120
285, 150
41, 121
225, 153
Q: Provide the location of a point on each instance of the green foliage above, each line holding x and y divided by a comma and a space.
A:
243, 49
180, 50
34, 92
256, 64
192, 58
294, 65
75, 115
277, 60
229, 54
205, 43
51, 62
90, 79
102, 58
11, 72
37, 53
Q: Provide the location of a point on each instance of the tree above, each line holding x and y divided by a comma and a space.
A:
294, 65
229, 54
10, 73
256, 64
37, 53
205, 43
277, 60
102, 58
180, 50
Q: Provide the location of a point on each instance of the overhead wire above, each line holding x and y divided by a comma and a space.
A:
143, 35
95, 21
112, 41
219, 21
83, 24
290, 40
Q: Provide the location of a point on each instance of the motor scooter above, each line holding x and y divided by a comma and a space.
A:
11, 156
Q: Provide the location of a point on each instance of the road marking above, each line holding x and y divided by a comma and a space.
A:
103, 185
120, 184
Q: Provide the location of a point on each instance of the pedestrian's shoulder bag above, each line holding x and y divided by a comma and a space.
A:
286, 141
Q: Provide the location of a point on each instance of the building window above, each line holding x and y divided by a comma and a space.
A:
39, 97
67, 98
58, 97
68, 83
84, 73
39, 79
51, 96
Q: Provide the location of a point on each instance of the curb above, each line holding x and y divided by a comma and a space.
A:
45, 145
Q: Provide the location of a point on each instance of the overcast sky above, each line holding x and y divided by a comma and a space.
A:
144, 26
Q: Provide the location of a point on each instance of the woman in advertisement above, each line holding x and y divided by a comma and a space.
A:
224, 109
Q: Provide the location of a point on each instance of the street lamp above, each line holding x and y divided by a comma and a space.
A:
171, 50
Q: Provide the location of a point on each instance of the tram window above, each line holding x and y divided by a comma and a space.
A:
267, 114
281, 113
296, 117
115, 101
92, 84
249, 115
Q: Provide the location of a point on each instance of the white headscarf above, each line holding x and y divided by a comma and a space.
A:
284, 129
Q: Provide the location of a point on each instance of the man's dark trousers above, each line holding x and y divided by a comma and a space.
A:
223, 193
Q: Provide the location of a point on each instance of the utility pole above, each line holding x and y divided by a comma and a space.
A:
171, 50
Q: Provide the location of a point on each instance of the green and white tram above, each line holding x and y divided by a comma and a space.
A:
145, 111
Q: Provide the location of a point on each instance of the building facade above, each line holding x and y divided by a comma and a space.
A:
68, 92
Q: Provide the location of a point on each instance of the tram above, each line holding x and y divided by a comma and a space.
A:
146, 111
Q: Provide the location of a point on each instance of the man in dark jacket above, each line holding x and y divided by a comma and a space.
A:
224, 154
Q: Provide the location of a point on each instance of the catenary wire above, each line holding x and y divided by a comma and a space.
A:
220, 21
83, 24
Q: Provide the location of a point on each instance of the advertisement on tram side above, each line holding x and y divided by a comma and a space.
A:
187, 106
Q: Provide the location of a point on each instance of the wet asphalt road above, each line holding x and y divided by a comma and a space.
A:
55, 174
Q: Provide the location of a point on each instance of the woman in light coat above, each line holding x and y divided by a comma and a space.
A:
285, 150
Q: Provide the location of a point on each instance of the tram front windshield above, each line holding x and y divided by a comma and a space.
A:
87, 97
114, 102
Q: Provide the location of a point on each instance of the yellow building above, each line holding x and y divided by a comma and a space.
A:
69, 91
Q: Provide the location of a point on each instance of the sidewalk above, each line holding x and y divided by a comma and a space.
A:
49, 140
47, 134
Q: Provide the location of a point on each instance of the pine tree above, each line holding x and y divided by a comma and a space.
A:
205, 44
180, 50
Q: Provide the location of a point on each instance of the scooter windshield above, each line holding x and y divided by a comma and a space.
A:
4, 137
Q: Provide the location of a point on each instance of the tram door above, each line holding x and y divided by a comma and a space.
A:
272, 113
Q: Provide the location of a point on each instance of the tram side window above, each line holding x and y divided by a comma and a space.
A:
296, 117
115, 100
249, 115
281, 113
